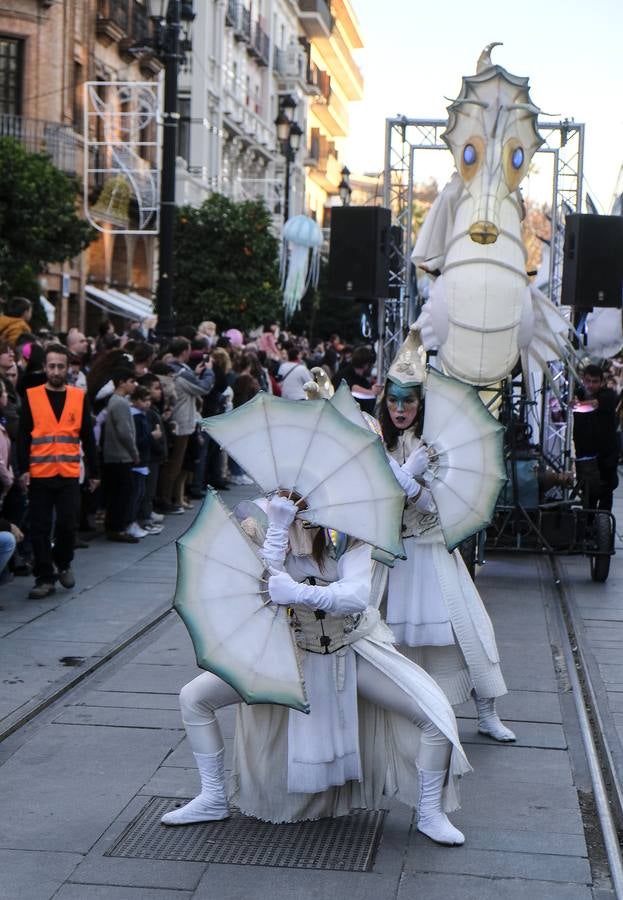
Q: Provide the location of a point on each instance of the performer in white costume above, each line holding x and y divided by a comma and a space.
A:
433, 607
379, 726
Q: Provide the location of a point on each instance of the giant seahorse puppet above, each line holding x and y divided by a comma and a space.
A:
482, 311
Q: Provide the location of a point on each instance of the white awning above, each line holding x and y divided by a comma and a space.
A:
131, 306
49, 309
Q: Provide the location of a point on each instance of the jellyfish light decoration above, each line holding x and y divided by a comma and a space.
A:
300, 260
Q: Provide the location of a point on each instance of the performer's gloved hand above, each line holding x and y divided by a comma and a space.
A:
417, 462
409, 485
281, 512
282, 588
285, 591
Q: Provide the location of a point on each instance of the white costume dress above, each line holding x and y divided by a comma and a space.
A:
379, 726
348, 752
434, 609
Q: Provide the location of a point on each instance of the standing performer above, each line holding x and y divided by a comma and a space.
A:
379, 726
433, 607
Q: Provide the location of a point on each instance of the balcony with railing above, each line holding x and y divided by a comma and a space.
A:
321, 81
340, 60
242, 24
323, 162
231, 13
332, 112
243, 115
258, 47
315, 17
113, 19
141, 26
134, 41
58, 141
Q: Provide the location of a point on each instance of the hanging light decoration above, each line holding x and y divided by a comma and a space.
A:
300, 260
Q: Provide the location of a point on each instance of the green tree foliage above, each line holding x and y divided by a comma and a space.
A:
226, 265
38, 220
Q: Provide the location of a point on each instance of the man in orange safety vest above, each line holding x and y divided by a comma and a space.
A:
55, 425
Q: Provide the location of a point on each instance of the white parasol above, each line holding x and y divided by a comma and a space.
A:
311, 450
221, 596
467, 456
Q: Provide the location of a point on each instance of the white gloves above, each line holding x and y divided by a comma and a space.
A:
285, 591
282, 589
422, 497
409, 485
281, 513
417, 462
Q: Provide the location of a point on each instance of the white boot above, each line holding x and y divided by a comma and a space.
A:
489, 722
211, 804
432, 820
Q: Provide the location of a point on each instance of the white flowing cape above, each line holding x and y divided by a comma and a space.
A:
387, 744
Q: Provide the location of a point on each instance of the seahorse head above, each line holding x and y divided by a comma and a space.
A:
492, 134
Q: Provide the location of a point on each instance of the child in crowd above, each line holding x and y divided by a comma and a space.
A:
140, 403
120, 455
148, 519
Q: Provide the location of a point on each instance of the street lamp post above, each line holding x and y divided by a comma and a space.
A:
289, 134
344, 187
168, 16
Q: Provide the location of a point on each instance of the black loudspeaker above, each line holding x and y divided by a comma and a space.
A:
359, 252
592, 272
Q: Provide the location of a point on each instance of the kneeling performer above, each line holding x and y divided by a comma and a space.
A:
379, 726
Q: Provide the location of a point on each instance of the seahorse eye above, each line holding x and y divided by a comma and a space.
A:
517, 158
469, 154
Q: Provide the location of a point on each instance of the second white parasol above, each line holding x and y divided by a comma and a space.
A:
313, 452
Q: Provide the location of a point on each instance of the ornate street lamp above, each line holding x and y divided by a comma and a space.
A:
344, 187
289, 135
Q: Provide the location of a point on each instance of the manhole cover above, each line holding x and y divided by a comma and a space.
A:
348, 843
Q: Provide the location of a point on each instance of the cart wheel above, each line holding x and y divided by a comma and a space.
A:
467, 549
600, 565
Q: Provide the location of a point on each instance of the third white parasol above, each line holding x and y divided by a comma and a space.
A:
467, 456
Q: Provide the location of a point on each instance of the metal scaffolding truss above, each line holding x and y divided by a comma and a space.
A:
403, 138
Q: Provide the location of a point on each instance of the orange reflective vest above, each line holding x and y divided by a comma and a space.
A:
55, 445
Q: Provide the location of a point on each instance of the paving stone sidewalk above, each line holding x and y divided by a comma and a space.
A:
45, 643
74, 779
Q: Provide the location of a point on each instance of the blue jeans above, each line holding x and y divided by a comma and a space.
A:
7, 548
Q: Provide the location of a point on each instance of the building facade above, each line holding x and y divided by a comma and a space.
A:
48, 50
247, 57
334, 33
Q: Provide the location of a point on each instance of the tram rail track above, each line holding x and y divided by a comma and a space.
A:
58, 689
604, 778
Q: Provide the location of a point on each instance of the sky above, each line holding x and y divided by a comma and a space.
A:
416, 53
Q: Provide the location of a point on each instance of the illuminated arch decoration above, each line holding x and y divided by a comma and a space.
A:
121, 168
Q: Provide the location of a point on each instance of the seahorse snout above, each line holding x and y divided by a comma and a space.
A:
484, 233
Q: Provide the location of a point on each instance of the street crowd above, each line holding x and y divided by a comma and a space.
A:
101, 435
